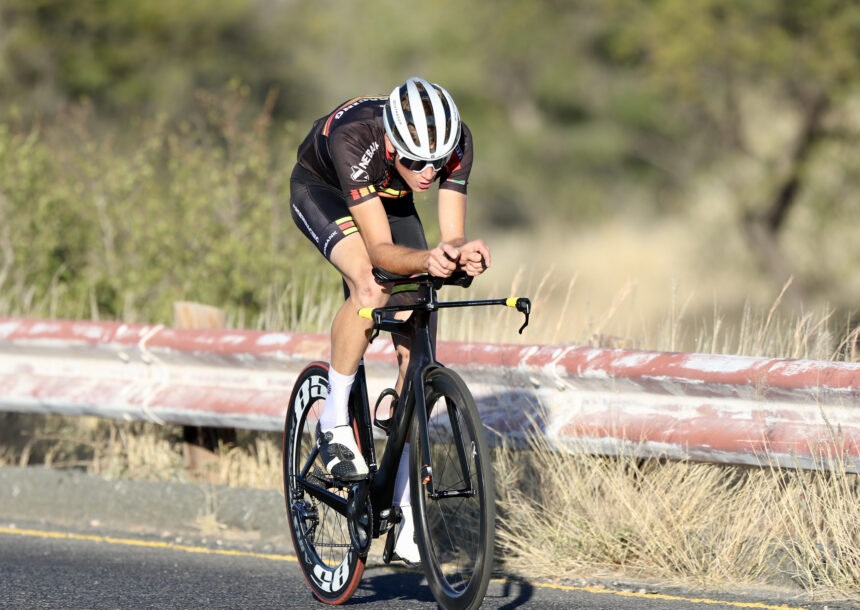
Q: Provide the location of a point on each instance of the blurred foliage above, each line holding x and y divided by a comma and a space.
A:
129, 56
734, 70
194, 211
522, 74
125, 124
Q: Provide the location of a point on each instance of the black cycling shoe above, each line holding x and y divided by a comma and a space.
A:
340, 454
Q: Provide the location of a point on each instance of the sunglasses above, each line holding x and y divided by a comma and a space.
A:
419, 165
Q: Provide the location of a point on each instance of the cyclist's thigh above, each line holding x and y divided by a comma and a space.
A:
320, 212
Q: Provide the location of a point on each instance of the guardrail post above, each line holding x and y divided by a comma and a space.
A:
199, 443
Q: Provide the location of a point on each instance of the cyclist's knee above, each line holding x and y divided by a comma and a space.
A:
368, 293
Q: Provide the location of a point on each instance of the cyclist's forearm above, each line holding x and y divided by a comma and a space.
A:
452, 217
399, 259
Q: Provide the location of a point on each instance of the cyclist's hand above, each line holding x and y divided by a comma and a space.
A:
443, 260
474, 257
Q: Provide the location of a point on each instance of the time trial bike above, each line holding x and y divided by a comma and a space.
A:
332, 523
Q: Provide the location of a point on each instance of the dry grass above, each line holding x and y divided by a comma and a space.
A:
774, 331
819, 516
258, 464
670, 285
138, 451
680, 522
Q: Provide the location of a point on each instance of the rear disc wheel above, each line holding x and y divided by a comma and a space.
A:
321, 536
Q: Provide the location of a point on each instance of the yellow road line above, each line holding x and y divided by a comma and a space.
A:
273, 557
145, 543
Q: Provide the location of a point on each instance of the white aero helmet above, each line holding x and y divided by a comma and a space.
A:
422, 121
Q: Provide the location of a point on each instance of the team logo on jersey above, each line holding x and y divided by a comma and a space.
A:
358, 172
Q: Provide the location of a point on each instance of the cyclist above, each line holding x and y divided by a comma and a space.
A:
351, 194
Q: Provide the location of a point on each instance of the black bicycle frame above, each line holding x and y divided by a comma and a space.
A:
416, 329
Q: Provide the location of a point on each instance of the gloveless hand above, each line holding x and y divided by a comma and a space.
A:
443, 260
474, 257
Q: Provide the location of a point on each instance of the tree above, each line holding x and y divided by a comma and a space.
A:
740, 72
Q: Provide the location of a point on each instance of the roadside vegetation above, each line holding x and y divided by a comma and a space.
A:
583, 516
681, 522
560, 515
663, 176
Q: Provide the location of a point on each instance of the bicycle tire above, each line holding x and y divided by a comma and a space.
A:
455, 535
321, 539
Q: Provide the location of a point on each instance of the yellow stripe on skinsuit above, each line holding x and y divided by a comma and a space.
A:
393, 193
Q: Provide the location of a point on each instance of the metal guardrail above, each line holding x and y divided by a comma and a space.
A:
713, 408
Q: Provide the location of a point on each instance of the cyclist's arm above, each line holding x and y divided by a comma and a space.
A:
373, 227
452, 217
474, 256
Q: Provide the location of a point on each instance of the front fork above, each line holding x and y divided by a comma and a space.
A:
421, 412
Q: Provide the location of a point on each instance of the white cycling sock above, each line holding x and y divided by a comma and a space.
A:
336, 409
402, 493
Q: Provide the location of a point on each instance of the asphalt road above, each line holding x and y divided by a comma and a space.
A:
59, 569
82, 553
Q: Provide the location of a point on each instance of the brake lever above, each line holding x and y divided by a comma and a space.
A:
524, 306
377, 320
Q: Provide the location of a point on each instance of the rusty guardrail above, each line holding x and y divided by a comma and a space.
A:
714, 408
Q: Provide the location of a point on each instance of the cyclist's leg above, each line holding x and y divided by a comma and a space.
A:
406, 230
349, 339
320, 211
350, 333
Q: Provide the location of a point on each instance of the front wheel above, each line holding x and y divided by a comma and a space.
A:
455, 513
321, 537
